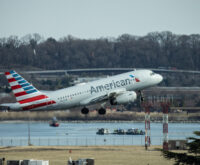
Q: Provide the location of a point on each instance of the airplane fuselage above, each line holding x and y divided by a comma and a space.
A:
116, 89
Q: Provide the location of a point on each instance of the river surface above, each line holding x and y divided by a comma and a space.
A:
16, 134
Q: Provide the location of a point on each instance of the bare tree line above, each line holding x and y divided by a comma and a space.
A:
156, 49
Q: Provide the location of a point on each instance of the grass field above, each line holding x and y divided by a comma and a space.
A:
103, 155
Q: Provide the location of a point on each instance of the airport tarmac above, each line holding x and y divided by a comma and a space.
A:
103, 155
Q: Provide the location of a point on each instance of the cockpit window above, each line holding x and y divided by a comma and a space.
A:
152, 73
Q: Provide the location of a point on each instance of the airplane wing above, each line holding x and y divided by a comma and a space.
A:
105, 97
94, 99
116, 93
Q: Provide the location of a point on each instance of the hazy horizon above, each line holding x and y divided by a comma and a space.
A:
90, 19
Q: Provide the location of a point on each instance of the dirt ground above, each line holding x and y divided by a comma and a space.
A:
103, 155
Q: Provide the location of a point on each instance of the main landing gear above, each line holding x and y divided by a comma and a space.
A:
101, 111
85, 111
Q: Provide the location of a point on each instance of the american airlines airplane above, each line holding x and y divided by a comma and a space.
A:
118, 89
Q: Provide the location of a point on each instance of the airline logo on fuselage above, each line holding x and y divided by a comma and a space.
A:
112, 85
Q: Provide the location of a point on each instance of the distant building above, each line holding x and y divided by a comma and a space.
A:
177, 144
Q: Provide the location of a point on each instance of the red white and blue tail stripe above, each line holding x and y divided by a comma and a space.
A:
26, 94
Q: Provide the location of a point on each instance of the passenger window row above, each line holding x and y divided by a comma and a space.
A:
72, 95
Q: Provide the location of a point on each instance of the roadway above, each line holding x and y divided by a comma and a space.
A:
182, 89
185, 108
68, 71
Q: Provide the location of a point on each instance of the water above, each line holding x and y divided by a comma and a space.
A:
16, 134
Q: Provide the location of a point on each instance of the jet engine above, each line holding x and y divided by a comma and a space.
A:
124, 98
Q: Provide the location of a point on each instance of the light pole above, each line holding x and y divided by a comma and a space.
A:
29, 134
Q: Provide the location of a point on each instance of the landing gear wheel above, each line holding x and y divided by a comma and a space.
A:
102, 111
85, 111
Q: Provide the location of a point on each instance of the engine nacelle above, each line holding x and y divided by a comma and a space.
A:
124, 98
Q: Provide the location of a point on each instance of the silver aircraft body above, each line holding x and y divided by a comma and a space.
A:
118, 89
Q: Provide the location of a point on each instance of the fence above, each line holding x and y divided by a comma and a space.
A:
79, 141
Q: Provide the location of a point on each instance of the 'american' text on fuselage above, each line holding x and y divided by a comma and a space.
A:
111, 85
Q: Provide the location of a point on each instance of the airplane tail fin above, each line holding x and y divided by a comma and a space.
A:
26, 94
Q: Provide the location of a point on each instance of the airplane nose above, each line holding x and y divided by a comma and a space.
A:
159, 78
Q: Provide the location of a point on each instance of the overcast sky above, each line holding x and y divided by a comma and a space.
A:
98, 18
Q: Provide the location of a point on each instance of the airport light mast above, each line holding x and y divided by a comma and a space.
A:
147, 107
165, 108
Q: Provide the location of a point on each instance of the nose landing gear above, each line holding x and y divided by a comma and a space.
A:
141, 96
